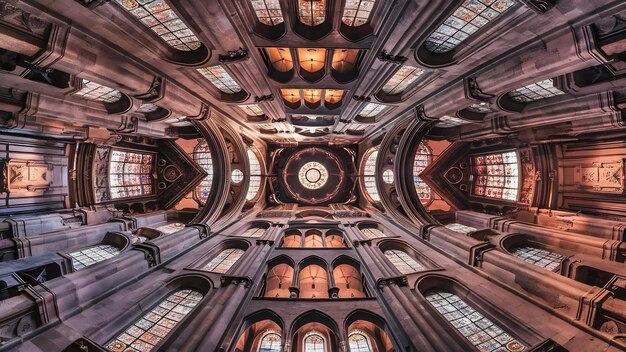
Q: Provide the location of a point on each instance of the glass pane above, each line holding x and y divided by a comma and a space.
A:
224, 261
460, 228
255, 175
372, 109
357, 12
402, 261
130, 174
92, 255
496, 175
540, 257
536, 91
94, 91
220, 79
271, 342
312, 12
314, 342
359, 342
268, 11
402, 79
202, 157
372, 233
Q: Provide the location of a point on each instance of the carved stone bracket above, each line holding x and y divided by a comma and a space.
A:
362, 98
234, 56
394, 59
473, 91
476, 253
203, 114
129, 125
540, 6
265, 242
156, 91
420, 114
362, 242
262, 98
400, 281
235, 280
204, 229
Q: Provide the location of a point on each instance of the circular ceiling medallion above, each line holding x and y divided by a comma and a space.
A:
313, 175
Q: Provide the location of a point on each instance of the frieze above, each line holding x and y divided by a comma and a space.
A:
23, 20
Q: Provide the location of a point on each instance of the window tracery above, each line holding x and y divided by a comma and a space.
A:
536, 91
372, 233
468, 18
479, 330
496, 175
271, 342
202, 156
357, 12
359, 342
94, 91
251, 109
145, 333
255, 175
402, 79
372, 110
254, 232
268, 11
85, 257
130, 174
402, 261
314, 342
221, 79
369, 176
542, 258
163, 21
423, 157
460, 228
224, 260
312, 12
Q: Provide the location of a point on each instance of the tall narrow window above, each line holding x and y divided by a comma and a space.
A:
312, 12
359, 342
536, 91
402, 261
460, 228
224, 261
85, 257
369, 176
159, 17
202, 156
94, 91
130, 174
423, 157
271, 342
254, 232
218, 77
268, 11
496, 175
357, 12
255, 175
314, 342
372, 233
540, 257
465, 21
479, 330
402, 79
145, 333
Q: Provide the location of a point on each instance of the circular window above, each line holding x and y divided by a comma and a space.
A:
388, 176
236, 176
313, 175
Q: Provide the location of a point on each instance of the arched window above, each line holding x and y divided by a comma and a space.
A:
279, 280
313, 282
312, 12
254, 232
465, 21
536, 91
402, 79
372, 233
130, 174
402, 261
357, 12
251, 109
369, 175
218, 77
460, 228
224, 261
372, 110
147, 331
496, 175
348, 280
271, 342
85, 257
268, 11
423, 157
540, 257
162, 20
479, 330
359, 342
94, 91
314, 342
202, 156
255, 175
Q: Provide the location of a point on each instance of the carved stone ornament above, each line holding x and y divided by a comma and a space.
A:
420, 114
400, 281
235, 280
394, 59
473, 91
540, 6
234, 55
128, 125
155, 92
203, 114
262, 98
23, 20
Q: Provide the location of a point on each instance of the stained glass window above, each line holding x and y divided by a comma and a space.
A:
254, 232
402, 261
94, 91
540, 257
357, 12
251, 109
369, 176
145, 333
423, 157
85, 257
460, 228
496, 175
130, 174
480, 108
312, 12
270, 342
236, 176
202, 156
314, 342
255, 175
372, 233
479, 330
224, 261
372, 109
388, 176
536, 91
162, 20
220, 79
465, 21
268, 11
359, 342
402, 79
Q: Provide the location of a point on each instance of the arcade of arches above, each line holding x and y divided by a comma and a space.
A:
312, 175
